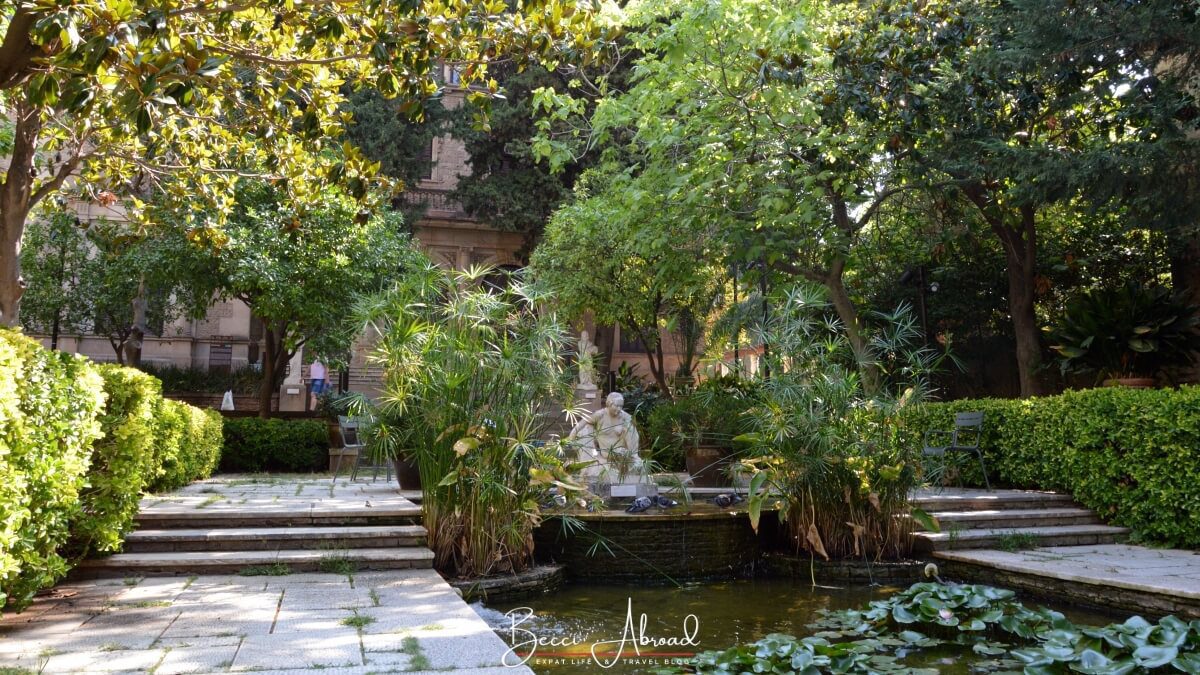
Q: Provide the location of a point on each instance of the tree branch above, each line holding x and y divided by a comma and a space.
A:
275, 61
16, 51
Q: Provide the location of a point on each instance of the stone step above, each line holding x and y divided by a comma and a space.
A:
1015, 518
196, 518
273, 538
246, 562
998, 500
1017, 538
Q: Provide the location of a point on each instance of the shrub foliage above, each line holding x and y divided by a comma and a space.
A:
1133, 455
78, 444
254, 444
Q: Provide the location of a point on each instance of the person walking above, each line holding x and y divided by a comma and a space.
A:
317, 383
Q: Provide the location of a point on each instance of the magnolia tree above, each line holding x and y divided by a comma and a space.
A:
186, 97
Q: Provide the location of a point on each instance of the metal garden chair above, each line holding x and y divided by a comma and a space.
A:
352, 440
965, 437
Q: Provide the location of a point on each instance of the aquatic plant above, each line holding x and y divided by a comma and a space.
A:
472, 372
987, 622
832, 451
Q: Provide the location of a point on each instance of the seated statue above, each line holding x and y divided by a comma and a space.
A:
609, 438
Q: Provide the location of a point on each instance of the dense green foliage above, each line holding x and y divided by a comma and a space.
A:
145, 96
78, 444
50, 405
198, 380
188, 444
124, 460
987, 625
297, 266
972, 145
831, 454
254, 444
1125, 331
712, 414
1133, 455
469, 373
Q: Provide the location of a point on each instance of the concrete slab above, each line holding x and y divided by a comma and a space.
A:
314, 649
275, 624
1117, 565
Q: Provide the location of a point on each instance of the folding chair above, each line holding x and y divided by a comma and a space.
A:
968, 430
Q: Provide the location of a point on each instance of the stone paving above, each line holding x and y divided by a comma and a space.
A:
1167, 572
259, 496
362, 622
370, 622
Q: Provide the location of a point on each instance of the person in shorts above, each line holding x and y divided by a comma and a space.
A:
317, 382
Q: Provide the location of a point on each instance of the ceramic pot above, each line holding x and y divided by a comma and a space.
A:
707, 464
408, 474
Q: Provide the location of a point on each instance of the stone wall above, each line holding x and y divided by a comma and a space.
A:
649, 548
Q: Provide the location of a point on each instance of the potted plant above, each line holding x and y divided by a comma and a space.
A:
701, 426
1125, 335
331, 405
387, 437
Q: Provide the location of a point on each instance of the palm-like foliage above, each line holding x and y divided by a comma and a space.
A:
836, 457
1125, 331
469, 372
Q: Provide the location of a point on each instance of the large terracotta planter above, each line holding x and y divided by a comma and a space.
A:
408, 474
1132, 382
334, 432
707, 465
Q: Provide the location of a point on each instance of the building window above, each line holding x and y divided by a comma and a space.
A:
220, 358
427, 160
630, 342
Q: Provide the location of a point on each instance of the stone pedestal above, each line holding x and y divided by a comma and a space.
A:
625, 490
292, 393
588, 396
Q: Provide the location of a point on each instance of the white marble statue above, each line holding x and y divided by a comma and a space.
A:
587, 361
609, 438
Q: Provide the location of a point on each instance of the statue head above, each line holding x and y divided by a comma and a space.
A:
615, 403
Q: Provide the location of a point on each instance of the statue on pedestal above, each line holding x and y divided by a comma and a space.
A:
587, 360
609, 438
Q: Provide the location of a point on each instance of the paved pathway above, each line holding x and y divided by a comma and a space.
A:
1171, 574
359, 622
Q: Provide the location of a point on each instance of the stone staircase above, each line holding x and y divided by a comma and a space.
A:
349, 527
1009, 520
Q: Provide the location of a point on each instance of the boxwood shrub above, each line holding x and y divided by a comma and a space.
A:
255, 444
1133, 455
124, 460
78, 445
50, 404
188, 441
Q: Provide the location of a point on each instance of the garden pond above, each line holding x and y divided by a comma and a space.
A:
726, 613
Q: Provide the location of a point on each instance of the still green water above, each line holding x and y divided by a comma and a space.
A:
570, 621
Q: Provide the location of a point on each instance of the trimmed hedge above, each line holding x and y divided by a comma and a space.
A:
1133, 455
50, 405
124, 460
78, 444
254, 444
189, 443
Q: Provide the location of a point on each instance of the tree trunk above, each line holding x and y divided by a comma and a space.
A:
848, 314
137, 331
275, 360
266, 389
15, 201
1021, 254
1185, 268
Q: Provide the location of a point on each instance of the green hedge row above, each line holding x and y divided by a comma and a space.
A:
1133, 455
253, 444
78, 445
